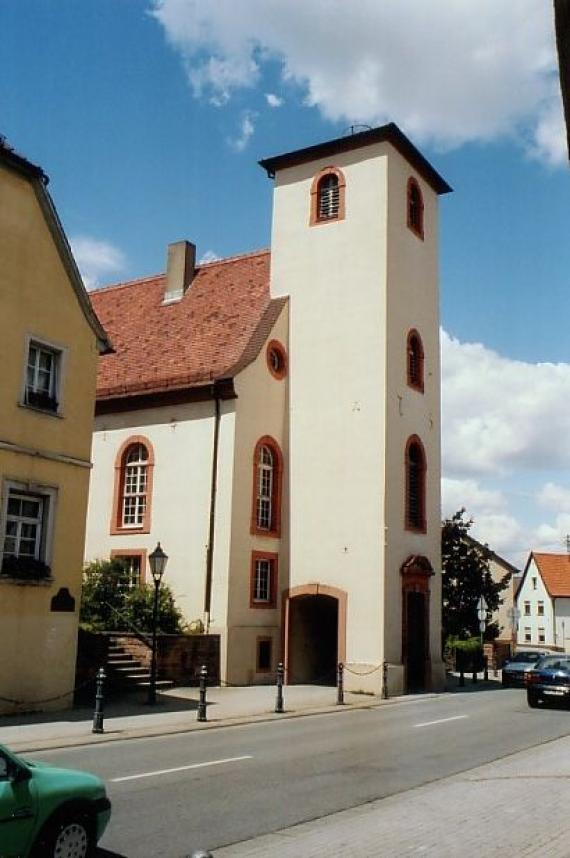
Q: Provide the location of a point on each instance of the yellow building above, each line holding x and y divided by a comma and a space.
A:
49, 344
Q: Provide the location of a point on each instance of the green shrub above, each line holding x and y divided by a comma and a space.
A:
109, 603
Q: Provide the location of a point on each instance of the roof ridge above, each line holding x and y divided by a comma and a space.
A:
225, 259
140, 280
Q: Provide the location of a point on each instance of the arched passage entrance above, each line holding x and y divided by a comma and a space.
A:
416, 572
315, 632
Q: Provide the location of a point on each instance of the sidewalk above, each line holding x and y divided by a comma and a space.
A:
175, 711
514, 807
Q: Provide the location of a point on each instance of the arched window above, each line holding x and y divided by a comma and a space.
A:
327, 196
415, 361
133, 486
415, 485
415, 208
267, 471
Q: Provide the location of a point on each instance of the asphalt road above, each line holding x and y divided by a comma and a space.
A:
207, 789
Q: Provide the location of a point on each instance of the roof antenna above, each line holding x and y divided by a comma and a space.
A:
357, 128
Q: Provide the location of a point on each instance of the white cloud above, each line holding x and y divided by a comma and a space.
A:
96, 259
273, 100
447, 72
504, 425
246, 130
499, 414
555, 497
209, 256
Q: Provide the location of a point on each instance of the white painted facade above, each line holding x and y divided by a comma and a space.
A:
356, 287
532, 598
554, 624
341, 417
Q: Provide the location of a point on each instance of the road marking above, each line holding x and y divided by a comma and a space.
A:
441, 721
181, 769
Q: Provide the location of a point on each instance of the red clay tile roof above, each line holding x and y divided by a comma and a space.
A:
213, 332
555, 572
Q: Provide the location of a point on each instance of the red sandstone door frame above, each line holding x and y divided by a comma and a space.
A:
416, 572
313, 590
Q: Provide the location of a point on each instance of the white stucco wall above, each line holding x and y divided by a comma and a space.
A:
182, 439
412, 303
261, 409
356, 287
531, 595
335, 275
562, 622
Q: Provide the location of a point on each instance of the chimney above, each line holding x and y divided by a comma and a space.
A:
180, 267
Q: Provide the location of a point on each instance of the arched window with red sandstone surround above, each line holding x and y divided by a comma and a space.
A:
132, 499
267, 479
415, 361
415, 208
415, 505
328, 196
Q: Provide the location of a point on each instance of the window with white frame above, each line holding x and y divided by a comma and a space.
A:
527, 609
25, 531
527, 635
534, 583
540, 609
263, 580
43, 372
133, 564
135, 486
265, 476
541, 636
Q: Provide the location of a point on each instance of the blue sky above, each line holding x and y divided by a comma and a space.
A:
150, 116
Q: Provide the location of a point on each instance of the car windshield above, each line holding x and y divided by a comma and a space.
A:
554, 663
526, 657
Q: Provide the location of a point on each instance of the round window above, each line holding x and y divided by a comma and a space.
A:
276, 359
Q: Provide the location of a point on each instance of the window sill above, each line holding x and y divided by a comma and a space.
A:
26, 582
47, 411
125, 531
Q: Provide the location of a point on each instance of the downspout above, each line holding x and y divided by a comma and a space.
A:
214, 486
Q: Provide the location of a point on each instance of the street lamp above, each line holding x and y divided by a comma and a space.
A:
157, 561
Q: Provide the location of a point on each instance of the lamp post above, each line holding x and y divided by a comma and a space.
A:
157, 561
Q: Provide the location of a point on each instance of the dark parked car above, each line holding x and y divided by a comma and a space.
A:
47, 812
515, 668
549, 681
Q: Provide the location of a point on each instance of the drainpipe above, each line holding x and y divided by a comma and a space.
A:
214, 486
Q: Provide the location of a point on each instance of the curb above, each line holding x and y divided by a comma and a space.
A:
59, 743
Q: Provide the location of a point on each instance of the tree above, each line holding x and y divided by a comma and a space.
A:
466, 577
109, 602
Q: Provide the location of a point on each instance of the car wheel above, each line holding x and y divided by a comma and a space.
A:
532, 699
69, 837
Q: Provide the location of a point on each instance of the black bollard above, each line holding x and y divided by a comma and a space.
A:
202, 702
384, 680
340, 685
474, 675
486, 669
279, 701
461, 678
99, 700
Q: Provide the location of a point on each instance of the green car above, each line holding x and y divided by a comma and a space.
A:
47, 812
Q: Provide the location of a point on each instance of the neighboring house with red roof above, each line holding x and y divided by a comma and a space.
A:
543, 600
273, 420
